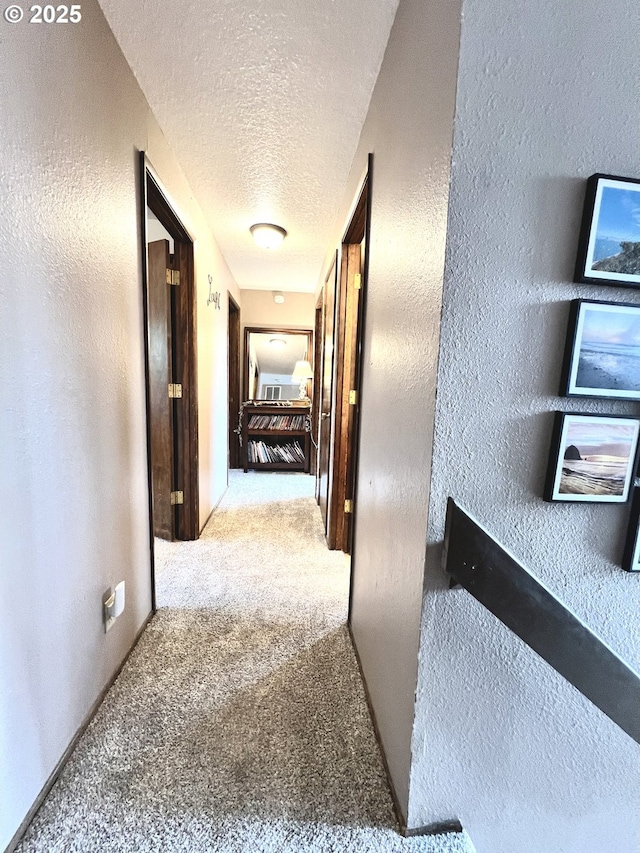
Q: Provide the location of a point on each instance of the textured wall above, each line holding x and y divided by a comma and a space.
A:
548, 94
73, 502
409, 130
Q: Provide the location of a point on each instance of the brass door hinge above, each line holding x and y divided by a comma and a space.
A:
348, 506
173, 277
353, 398
357, 281
177, 498
175, 391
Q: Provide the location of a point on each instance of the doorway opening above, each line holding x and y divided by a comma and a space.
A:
170, 361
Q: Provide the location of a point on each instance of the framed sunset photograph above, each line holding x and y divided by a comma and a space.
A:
592, 458
609, 243
602, 353
631, 556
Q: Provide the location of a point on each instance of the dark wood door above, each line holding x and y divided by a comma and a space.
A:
324, 444
234, 382
160, 412
353, 347
185, 406
346, 333
348, 344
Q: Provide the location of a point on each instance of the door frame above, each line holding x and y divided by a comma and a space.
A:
325, 418
318, 362
234, 362
348, 370
184, 358
356, 434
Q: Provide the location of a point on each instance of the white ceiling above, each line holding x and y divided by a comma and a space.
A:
262, 102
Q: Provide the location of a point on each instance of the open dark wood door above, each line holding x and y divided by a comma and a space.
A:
347, 406
160, 410
185, 405
348, 335
324, 443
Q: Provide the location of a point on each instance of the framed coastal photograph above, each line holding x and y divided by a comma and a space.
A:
602, 353
631, 556
609, 243
592, 458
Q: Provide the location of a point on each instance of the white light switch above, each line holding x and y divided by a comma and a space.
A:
113, 605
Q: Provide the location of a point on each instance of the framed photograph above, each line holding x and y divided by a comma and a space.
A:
609, 244
602, 353
631, 556
592, 458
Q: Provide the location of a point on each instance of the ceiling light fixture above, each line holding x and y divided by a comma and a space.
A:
266, 235
278, 342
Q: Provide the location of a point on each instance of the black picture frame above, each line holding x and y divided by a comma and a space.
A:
601, 357
631, 555
593, 458
610, 205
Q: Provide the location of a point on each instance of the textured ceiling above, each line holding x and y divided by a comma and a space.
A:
263, 103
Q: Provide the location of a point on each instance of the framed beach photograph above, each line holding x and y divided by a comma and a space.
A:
592, 458
602, 353
631, 556
609, 243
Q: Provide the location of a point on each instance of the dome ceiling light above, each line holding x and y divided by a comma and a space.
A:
278, 343
266, 235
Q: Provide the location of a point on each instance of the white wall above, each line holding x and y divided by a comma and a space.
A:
548, 94
74, 503
409, 129
296, 312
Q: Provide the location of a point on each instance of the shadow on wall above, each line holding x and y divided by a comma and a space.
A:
558, 210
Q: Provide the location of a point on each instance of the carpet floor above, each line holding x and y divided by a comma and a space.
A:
239, 722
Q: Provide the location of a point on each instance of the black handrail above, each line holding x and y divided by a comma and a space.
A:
478, 563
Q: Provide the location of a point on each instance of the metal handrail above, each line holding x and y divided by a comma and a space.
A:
475, 561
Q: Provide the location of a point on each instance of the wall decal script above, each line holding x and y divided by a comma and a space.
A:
213, 297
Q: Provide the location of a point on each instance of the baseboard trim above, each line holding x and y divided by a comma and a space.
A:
396, 803
218, 502
66, 755
441, 828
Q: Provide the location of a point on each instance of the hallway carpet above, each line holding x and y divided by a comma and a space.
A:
239, 722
